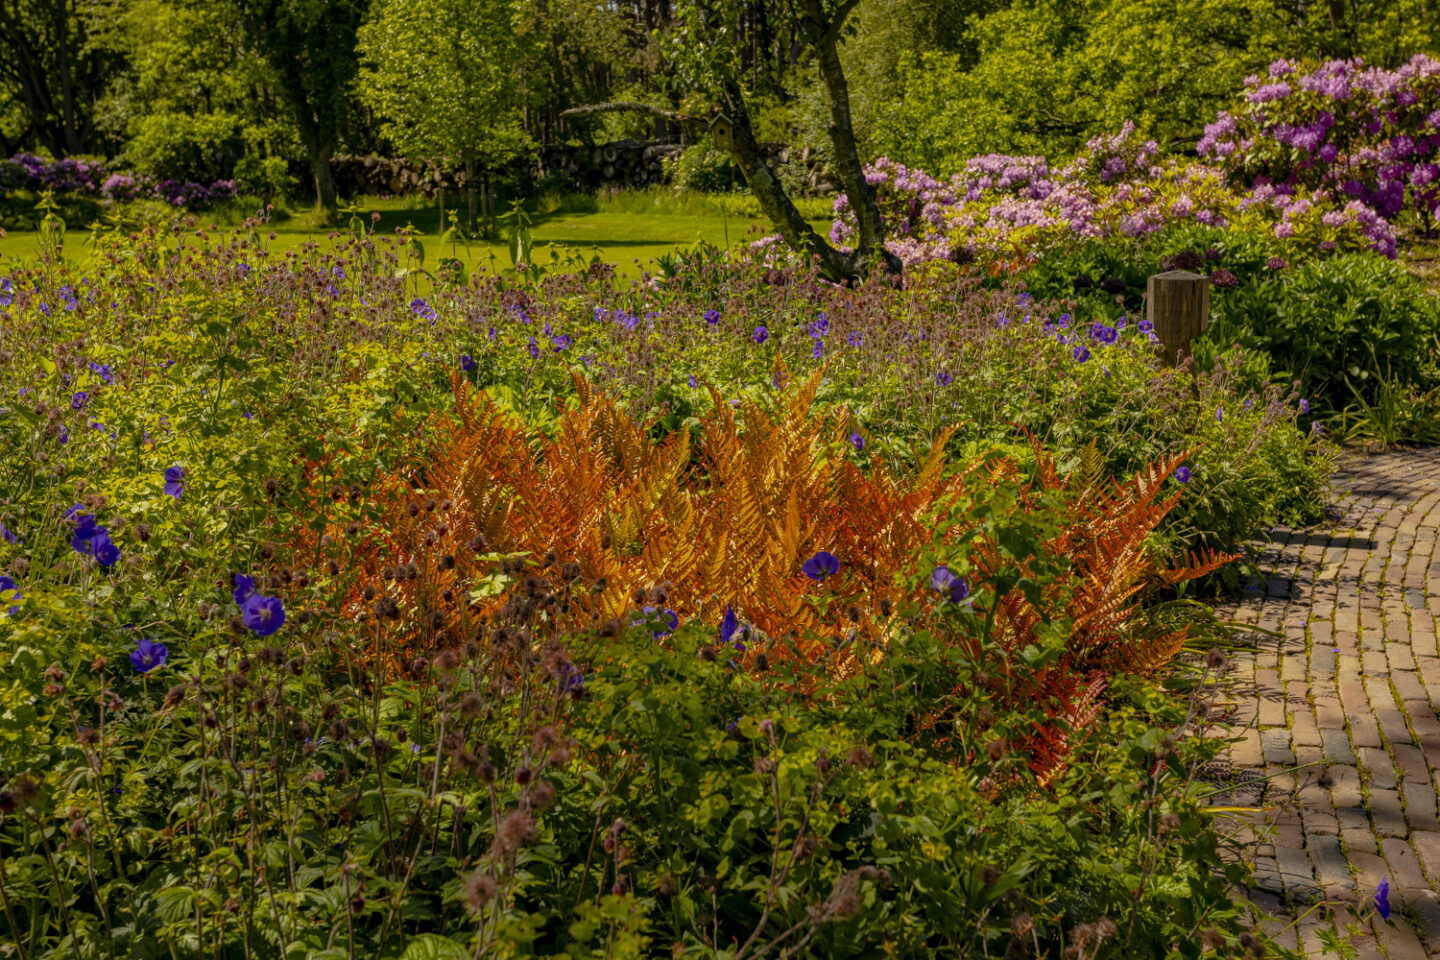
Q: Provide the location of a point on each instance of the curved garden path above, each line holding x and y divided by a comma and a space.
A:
1350, 682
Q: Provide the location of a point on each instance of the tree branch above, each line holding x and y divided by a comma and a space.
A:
627, 107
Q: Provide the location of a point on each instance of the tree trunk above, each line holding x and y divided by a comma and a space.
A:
324, 181
472, 191
825, 35
772, 196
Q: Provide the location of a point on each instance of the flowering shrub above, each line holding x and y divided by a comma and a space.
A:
90, 178
1008, 211
1338, 130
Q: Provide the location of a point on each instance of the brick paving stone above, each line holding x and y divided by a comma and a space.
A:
1353, 679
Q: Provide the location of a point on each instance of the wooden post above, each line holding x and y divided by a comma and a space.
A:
1178, 304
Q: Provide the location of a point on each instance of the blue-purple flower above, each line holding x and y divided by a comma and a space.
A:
857, 441
467, 362
712, 317
79, 400
1304, 405
422, 309
944, 580
9, 593
148, 655
1081, 353
820, 327
262, 615
1382, 899
943, 378
760, 335
1182, 475
534, 349
1145, 326
729, 626
103, 548
668, 624
561, 342
8, 535
175, 481
818, 350
820, 566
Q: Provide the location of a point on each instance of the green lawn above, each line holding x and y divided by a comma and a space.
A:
630, 231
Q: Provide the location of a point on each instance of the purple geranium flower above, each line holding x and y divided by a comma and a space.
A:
1082, 352
8, 535
1304, 405
669, 622
1183, 475
10, 592
467, 362
820, 566
941, 578
857, 441
712, 317
943, 378
561, 342
244, 588
103, 548
1382, 899
78, 401
729, 626
175, 481
760, 335
148, 655
263, 615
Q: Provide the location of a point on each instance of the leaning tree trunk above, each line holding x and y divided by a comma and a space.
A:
772, 197
825, 35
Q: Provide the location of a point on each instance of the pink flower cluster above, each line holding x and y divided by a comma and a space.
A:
1012, 208
1341, 129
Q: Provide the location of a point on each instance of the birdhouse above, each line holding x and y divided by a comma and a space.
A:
723, 132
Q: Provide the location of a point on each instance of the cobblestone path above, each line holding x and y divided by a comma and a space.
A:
1351, 684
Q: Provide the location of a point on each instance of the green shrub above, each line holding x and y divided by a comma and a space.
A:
705, 168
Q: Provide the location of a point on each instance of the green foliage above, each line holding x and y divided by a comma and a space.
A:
1042, 76
1342, 325
704, 168
443, 75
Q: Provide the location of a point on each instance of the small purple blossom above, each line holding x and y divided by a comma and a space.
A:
712, 317
175, 481
857, 441
1182, 475
262, 615
760, 335
148, 655
467, 362
820, 566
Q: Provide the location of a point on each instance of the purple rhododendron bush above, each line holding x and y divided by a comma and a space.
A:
208, 746
1333, 153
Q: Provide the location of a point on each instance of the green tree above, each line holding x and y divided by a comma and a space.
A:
448, 77
50, 67
310, 47
195, 97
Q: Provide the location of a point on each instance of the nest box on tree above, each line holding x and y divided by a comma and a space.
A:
723, 133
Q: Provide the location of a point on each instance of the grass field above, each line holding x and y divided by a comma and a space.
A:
629, 230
